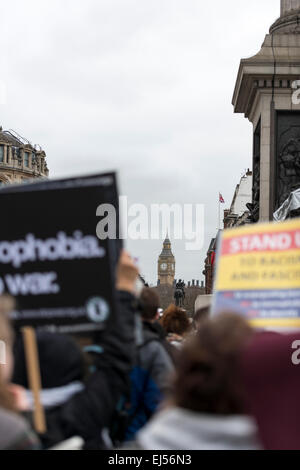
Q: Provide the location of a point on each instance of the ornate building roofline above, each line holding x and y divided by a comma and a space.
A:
19, 159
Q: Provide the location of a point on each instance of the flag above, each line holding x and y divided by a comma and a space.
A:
221, 199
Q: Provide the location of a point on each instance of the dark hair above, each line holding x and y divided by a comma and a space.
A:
201, 314
207, 378
149, 302
61, 360
175, 320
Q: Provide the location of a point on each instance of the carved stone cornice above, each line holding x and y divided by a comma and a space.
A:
287, 24
275, 67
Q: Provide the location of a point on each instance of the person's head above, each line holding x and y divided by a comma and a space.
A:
201, 315
207, 379
150, 303
175, 321
61, 361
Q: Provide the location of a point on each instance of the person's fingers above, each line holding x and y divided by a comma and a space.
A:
127, 272
126, 261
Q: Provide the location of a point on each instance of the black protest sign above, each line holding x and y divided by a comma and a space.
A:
51, 260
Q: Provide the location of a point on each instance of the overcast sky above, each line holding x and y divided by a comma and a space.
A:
143, 87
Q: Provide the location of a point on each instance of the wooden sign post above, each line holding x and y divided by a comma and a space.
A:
34, 377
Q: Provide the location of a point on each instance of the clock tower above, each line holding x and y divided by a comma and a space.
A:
166, 264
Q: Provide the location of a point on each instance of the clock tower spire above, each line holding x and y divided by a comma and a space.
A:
166, 264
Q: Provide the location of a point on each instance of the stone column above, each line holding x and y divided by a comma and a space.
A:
9, 155
22, 154
287, 6
264, 94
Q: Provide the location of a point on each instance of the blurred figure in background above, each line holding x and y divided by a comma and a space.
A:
201, 315
175, 322
271, 375
15, 433
206, 411
153, 367
62, 377
86, 408
151, 315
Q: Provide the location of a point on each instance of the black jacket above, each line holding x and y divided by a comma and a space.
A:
91, 411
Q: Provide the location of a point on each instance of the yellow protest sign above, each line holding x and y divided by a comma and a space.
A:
258, 274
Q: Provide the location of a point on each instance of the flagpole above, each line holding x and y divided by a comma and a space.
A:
221, 201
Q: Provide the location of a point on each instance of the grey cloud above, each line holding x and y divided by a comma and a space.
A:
143, 87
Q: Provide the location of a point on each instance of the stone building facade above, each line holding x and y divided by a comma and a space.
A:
238, 214
19, 160
210, 264
265, 93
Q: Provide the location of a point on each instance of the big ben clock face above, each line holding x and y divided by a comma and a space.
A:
163, 266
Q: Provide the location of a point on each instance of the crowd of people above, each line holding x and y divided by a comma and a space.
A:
154, 382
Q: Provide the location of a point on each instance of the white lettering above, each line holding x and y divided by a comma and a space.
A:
63, 247
32, 284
